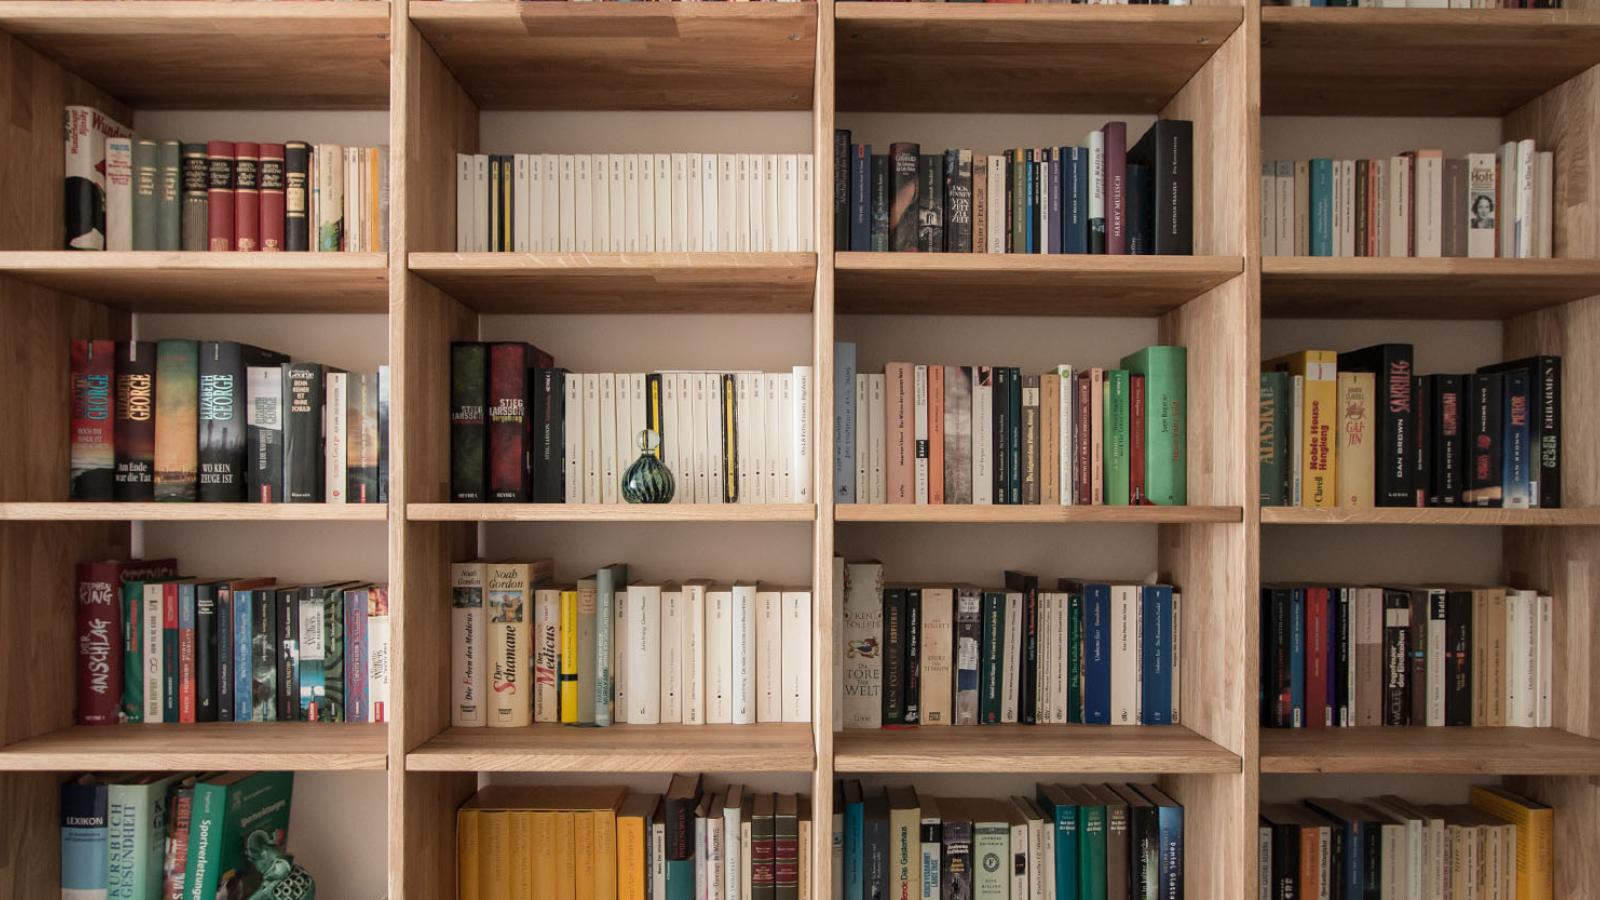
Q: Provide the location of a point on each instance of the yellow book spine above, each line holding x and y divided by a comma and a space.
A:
566, 861
494, 867
521, 854
1319, 461
583, 855
630, 858
1535, 842
544, 862
605, 854
468, 848
1357, 430
569, 657
506, 601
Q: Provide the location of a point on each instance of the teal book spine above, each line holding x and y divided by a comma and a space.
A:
133, 652
136, 825
855, 822
1116, 437
1322, 207
991, 662
1166, 422
1064, 816
680, 879
1075, 658
1091, 853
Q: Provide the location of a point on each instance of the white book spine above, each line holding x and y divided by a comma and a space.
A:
876, 436
1013, 647
583, 189
335, 429
732, 867
995, 199
772, 406
1435, 660
1506, 215
716, 484
1284, 196
795, 649
153, 660
719, 639
788, 198
1480, 212
617, 201
683, 426
647, 203
769, 203
665, 222
632, 192
786, 417
741, 203
755, 434
699, 412
567, 205
1337, 210
468, 642
1347, 233
549, 194
1546, 659
710, 204
643, 669
1177, 659
119, 193
546, 654
1543, 197
1269, 210
1399, 224
680, 202
863, 438
800, 436
673, 612
806, 226
521, 204
608, 438
1096, 142
332, 207
1124, 654
463, 202
769, 656
600, 191
1526, 164
727, 191
742, 709
619, 655
378, 686
694, 654
628, 426
982, 428
716, 844
694, 236
919, 419
1064, 434
758, 209
572, 438
1429, 177
592, 446
1379, 222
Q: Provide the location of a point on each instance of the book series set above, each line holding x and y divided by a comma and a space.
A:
1498, 845
1102, 197
1418, 203
608, 843
127, 193
223, 422
1089, 652
609, 651
154, 646
1361, 429
634, 202
180, 836
1436, 656
522, 430
939, 434
1067, 842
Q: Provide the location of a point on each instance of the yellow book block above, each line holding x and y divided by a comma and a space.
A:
521, 855
1536, 825
568, 677
605, 854
494, 866
468, 848
583, 855
633, 845
545, 864
1318, 417
566, 858
1356, 455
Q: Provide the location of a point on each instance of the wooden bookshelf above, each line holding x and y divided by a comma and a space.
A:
1291, 515
1026, 514
619, 748
733, 513
1032, 748
645, 283
1388, 288
1428, 751
298, 746
69, 511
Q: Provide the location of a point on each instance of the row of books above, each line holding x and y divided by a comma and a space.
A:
154, 646
1417, 203
1103, 197
1500, 846
990, 434
1089, 652
153, 834
734, 843
127, 193
223, 422
1428, 4
523, 431
634, 202
606, 651
1067, 842
1353, 656
1360, 429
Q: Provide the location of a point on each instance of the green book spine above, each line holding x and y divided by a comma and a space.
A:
1166, 422
1272, 448
146, 194
1075, 658
333, 655
991, 660
1092, 853
609, 581
588, 599
680, 879
1116, 437
991, 854
228, 813
169, 211
133, 651
136, 821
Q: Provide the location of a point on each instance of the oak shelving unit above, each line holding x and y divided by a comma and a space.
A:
438, 67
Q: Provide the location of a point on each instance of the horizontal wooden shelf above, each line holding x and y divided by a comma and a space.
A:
1024, 284
618, 748
1406, 515
589, 56
735, 513
211, 282
984, 514
1429, 751
255, 746
1404, 288
1419, 62
580, 283
178, 54
916, 57
1031, 749
70, 511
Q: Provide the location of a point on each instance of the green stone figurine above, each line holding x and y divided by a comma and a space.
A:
648, 480
281, 879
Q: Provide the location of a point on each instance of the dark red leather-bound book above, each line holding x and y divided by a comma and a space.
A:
510, 425
100, 633
246, 196
272, 198
219, 194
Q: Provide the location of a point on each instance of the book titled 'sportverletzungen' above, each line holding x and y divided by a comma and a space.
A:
233, 812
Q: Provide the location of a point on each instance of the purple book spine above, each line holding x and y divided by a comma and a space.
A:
355, 656
1116, 187
1054, 214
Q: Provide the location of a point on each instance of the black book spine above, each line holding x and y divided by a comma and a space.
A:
913, 656
1028, 673
1396, 658
296, 196
894, 657
1371, 860
1140, 187
1422, 443
958, 204
930, 204
1445, 407
875, 844
1547, 423
1000, 459
861, 197
955, 864
1341, 661
1014, 435
288, 623
880, 203
1484, 428
549, 424
224, 680
303, 465
1336, 864
1285, 862
1278, 679
1168, 149
903, 202
195, 223
1144, 836
1458, 662
205, 653
1006, 214
134, 425
469, 437
1392, 371
222, 425
841, 189
678, 817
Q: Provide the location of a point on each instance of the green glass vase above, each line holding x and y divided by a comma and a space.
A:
648, 480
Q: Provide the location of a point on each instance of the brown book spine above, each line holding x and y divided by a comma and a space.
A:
980, 203
898, 405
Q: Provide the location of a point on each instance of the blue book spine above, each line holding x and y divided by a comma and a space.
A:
841, 190
844, 421
855, 826
860, 198
1053, 216
680, 879
84, 841
1322, 207
1030, 184
1074, 217
1156, 654
1097, 654
1066, 818
243, 707
1516, 471
1353, 845
1169, 827
1297, 659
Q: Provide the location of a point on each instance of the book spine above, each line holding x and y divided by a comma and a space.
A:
93, 454
1517, 472
177, 420
264, 434
1485, 393
206, 663
220, 195
879, 178
860, 173
194, 176
289, 611
99, 643
273, 188
510, 428
930, 203
185, 669
992, 663
132, 168
297, 188
1115, 190
85, 186
841, 190
904, 204
303, 426
469, 403
222, 422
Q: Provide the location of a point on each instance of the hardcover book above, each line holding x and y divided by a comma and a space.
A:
303, 426
177, 459
222, 416
469, 401
93, 455
219, 196
264, 444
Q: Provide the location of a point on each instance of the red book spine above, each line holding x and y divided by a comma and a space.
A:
99, 643
1316, 654
92, 451
1116, 187
1082, 441
186, 667
1136, 414
273, 209
219, 194
247, 196
510, 427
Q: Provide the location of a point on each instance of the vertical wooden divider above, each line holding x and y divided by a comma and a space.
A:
822, 458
